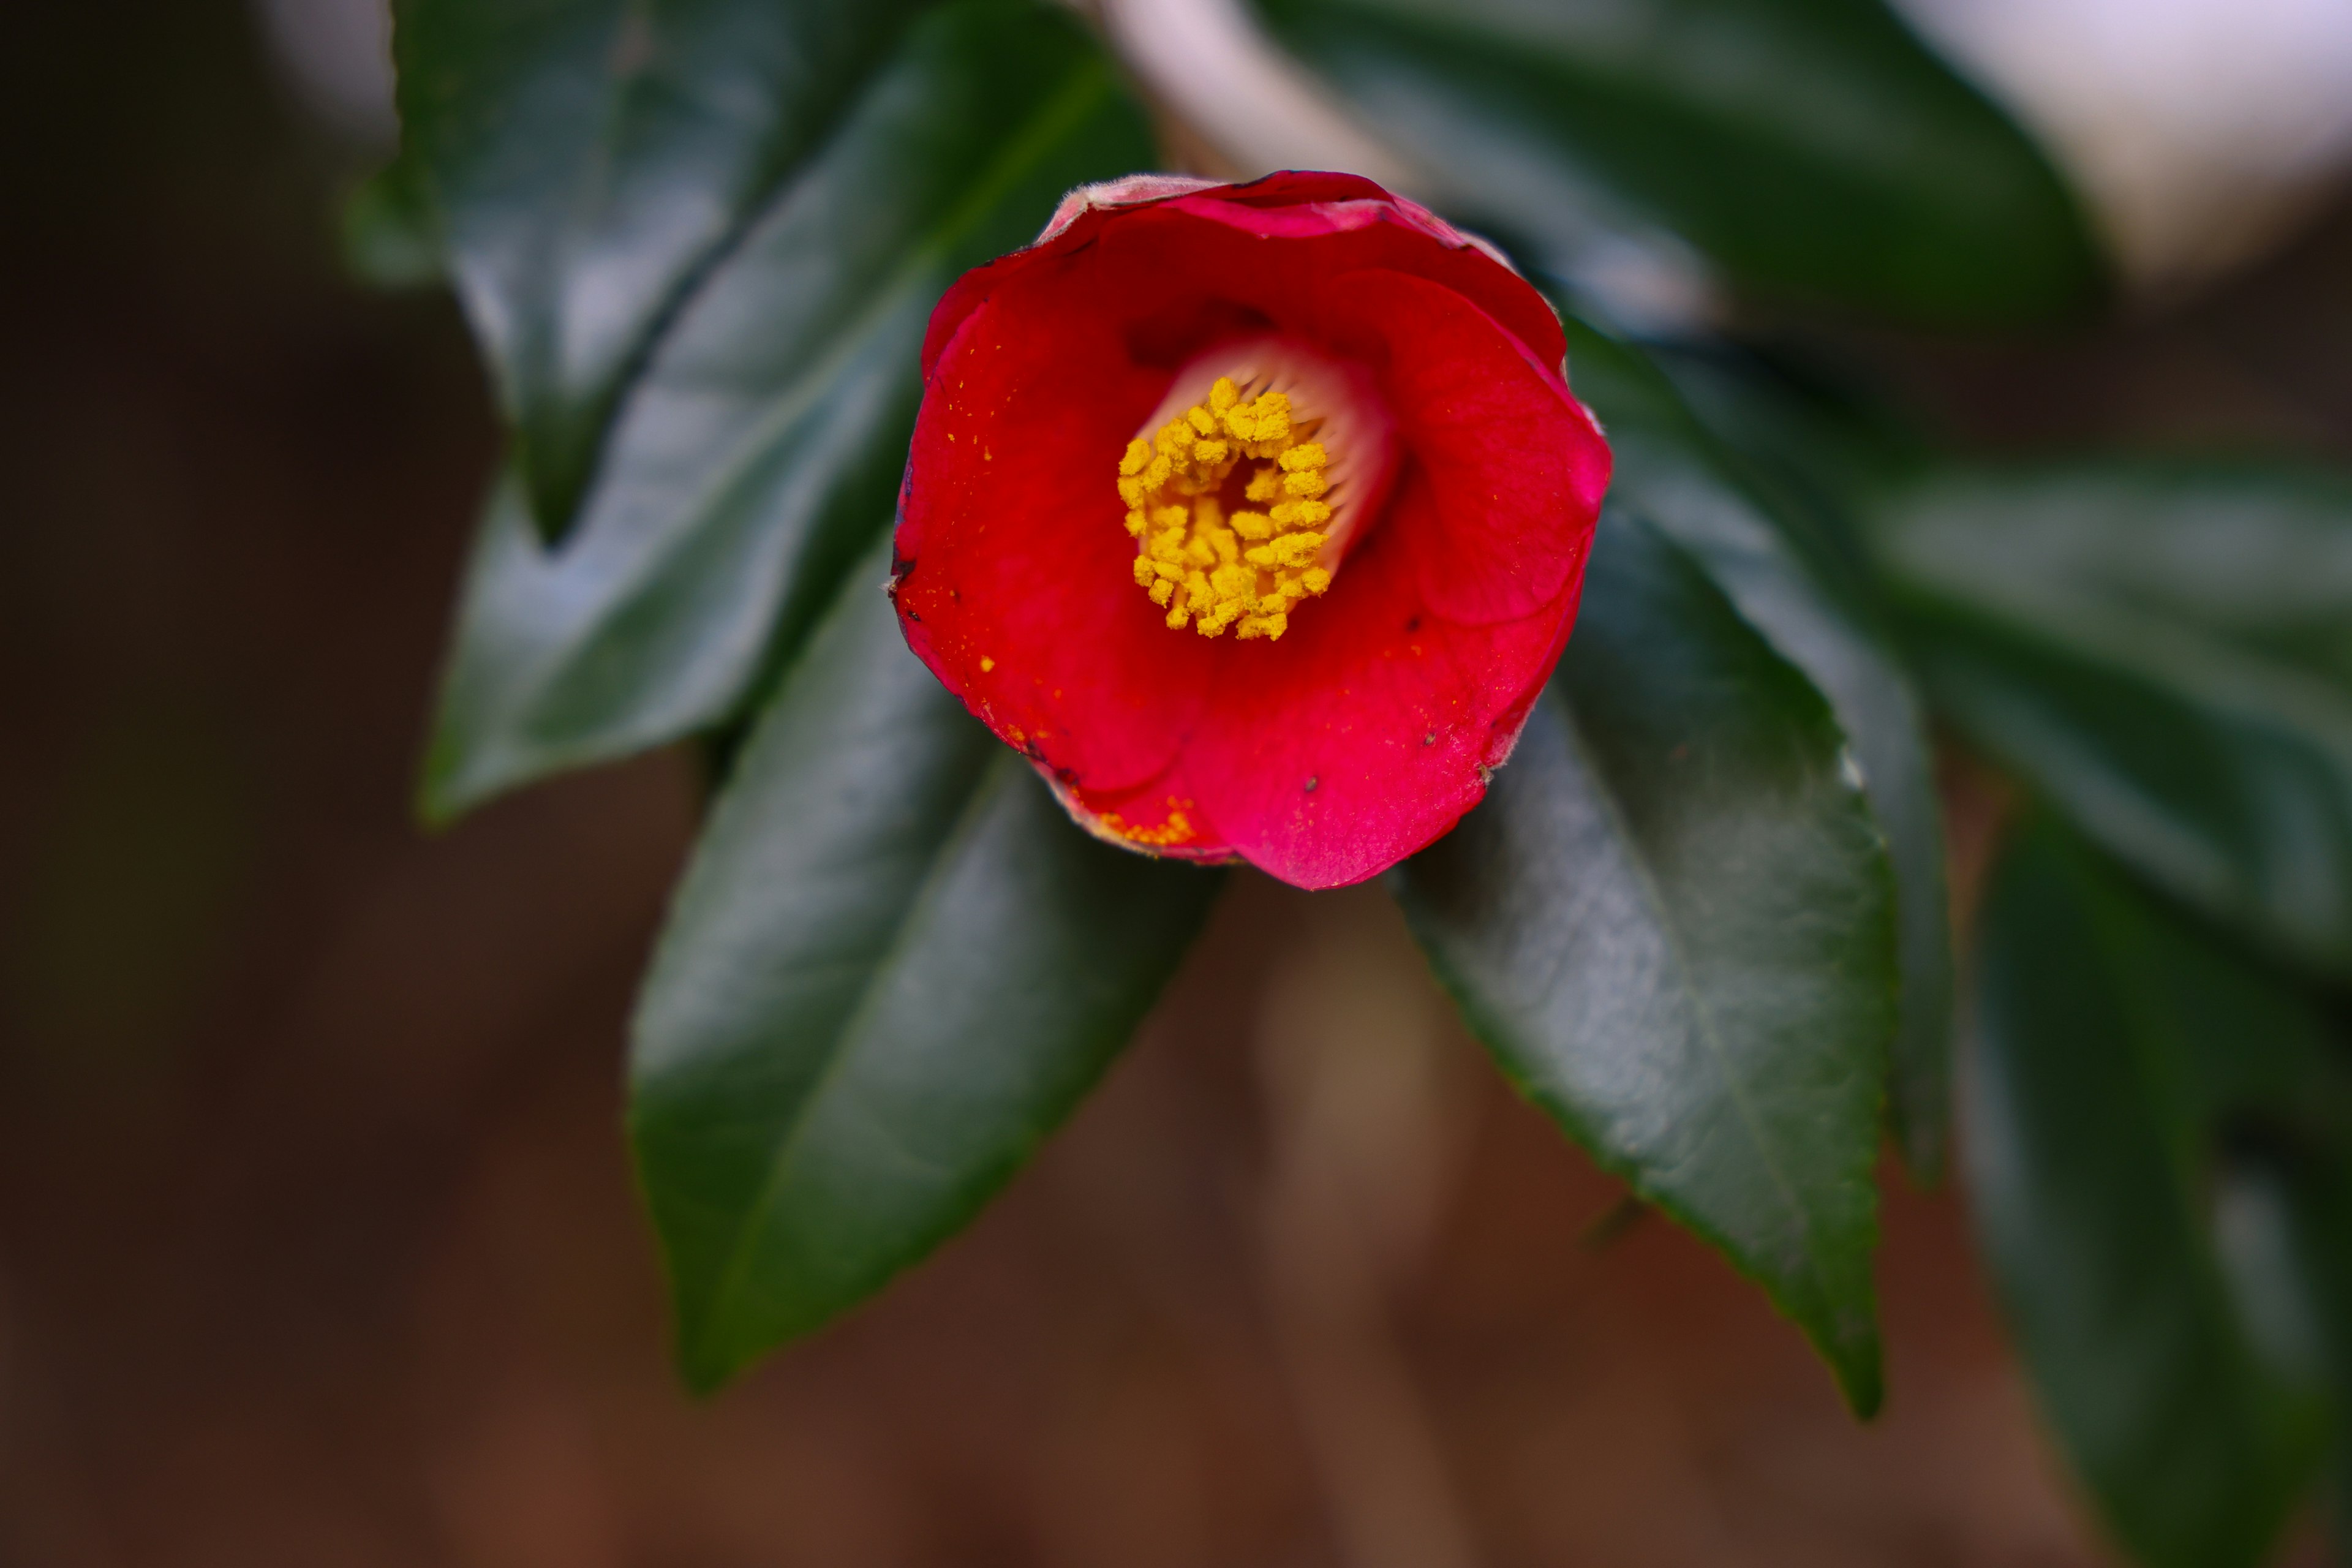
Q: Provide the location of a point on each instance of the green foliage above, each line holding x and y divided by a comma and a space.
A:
760, 447
591, 157
2159, 1137
2165, 649
1810, 147
894, 965
1763, 552
1673, 919
389, 238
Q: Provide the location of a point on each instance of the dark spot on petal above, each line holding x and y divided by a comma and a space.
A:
1068, 775
1413, 624
1311, 783
902, 566
911, 615
1430, 739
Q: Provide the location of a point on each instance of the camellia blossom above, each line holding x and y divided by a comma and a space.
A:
1255, 516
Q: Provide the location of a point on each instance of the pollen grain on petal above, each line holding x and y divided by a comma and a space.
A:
1173, 830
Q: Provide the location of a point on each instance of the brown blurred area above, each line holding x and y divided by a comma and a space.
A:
317, 1243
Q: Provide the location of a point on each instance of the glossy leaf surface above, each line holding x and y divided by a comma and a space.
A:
759, 451
2146, 1265
1673, 920
893, 967
1771, 564
2165, 649
590, 157
1810, 147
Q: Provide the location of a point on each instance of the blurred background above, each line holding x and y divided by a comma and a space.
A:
317, 1241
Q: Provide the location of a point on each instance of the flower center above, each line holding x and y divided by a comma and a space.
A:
1240, 505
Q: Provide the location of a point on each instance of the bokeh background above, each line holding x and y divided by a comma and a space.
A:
317, 1239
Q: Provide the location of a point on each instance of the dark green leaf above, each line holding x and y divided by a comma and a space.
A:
2116, 1047
768, 432
389, 233
1674, 921
2165, 649
1756, 547
1811, 147
893, 967
590, 157
1808, 431
2318, 1192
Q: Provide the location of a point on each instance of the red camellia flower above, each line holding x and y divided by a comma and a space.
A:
1253, 515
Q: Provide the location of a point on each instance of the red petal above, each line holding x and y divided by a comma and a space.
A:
1127, 191
1508, 453
1016, 586
1370, 228
1366, 731
1285, 188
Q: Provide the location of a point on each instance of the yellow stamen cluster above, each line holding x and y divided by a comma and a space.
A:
1201, 565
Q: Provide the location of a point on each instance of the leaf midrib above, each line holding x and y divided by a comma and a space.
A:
1708, 1029
847, 1040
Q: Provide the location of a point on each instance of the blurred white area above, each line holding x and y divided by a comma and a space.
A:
335, 56
2199, 131
1210, 63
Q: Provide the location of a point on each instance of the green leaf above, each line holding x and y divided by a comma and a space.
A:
2138, 1256
1813, 148
1673, 920
591, 157
1809, 431
1768, 558
894, 966
390, 237
2165, 650
768, 433
2318, 1195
